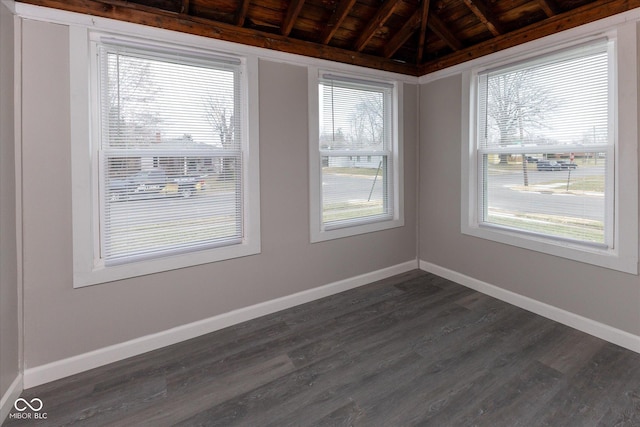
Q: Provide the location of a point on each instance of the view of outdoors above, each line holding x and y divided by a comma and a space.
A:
171, 156
353, 188
563, 198
354, 144
544, 139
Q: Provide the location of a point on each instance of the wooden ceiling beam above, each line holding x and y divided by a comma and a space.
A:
482, 12
184, 8
423, 30
378, 21
124, 10
574, 18
295, 6
401, 37
441, 30
153, 17
549, 7
341, 12
241, 14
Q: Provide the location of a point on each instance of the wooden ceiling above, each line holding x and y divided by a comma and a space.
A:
413, 37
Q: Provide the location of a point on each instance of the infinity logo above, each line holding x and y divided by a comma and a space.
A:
22, 404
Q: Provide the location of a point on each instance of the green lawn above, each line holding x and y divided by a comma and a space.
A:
593, 183
351, 209
570, 228
351, 171
171, 233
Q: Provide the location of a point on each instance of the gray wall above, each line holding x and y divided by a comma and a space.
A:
9, 327
600, 294
60, 322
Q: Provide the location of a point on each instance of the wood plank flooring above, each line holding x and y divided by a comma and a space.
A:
414, 349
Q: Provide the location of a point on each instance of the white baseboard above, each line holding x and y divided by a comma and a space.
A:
7, 400
63, 368
584, 324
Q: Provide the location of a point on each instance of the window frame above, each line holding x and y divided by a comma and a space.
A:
395, 191
621, 252
89, 268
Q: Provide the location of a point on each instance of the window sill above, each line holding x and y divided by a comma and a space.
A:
101, 274
354, 230
589, 254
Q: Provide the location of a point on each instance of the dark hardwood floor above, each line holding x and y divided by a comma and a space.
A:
414, 349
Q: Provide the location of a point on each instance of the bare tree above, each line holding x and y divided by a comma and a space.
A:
367, 123
220, 115
516, 107
131, 91
333, 140
131, 123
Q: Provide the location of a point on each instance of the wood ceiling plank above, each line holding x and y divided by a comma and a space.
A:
295, 6
401, 37
571, 19
336, 20
549, 7
480, 9
438, 27
241, 15
130, 12
423, 29
378, 20
186, 16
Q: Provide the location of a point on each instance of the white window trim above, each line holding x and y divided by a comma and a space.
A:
623, 256
318, 232
86, 269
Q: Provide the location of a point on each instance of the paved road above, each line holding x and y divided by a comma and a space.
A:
502, 196
150, 211
505, 195
340, 188
201, 209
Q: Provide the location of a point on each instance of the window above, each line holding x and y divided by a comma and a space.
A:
354, 156
170, 163
543, 153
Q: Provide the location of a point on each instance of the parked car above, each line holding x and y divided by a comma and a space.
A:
153, 183
548, 165
566, 164
531, 159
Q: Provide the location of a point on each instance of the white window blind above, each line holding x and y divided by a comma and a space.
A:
355, 125
545, 146
170, 153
